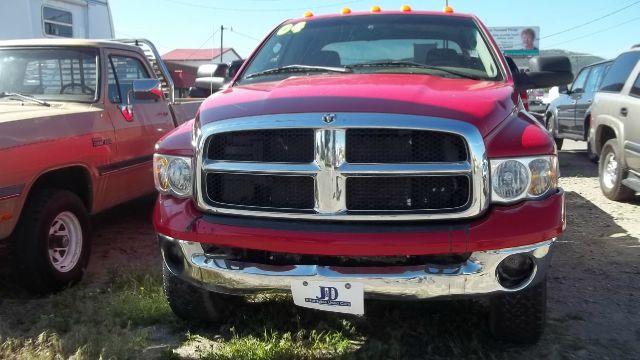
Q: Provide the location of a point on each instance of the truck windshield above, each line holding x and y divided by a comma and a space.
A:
445, 46
53, 74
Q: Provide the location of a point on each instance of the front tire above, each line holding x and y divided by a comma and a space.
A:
520, 316
612, 172
193, 304
51, 243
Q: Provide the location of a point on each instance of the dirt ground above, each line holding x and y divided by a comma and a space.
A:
594, 283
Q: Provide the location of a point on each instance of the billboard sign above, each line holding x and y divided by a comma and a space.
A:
517, 40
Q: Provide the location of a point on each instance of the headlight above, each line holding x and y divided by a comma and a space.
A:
523, 178
172, 175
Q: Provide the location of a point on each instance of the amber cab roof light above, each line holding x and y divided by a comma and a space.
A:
345, 11
308, 14
405, 8
375, 9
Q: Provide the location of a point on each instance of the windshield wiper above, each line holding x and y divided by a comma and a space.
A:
23, 97
298, 69
413, 64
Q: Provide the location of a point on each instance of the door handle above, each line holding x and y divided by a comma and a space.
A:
589, 101
624, 111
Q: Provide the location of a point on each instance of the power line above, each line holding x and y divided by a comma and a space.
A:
203, 44
244, 35
591, 21
203, 6
595, 32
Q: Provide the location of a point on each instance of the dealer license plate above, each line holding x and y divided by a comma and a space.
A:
343, 297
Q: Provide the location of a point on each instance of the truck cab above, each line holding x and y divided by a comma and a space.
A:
382, 154
79, 122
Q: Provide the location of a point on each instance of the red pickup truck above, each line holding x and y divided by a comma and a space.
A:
78, 123
382, 154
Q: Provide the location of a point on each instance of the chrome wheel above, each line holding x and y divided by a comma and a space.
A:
610, 173
65, 241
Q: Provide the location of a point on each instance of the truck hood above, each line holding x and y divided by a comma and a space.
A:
482, 103
16, 110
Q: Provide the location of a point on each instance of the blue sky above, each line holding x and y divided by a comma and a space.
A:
190, 23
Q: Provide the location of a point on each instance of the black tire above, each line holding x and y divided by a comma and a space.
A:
193, 304
550, 125
519, 317
31, 241
611, 184
591, 155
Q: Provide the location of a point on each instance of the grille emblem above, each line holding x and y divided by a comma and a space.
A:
329, 118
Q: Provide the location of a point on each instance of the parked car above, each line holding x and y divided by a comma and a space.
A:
335, 170
569, 115
79, 122
615, 129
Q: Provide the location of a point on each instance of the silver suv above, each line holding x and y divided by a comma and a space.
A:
615, 127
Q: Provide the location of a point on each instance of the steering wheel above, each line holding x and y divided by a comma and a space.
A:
85, 89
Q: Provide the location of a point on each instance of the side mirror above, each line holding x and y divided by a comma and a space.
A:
147, 89
212, 70
234, 66
210, 84
546, 71
563, 89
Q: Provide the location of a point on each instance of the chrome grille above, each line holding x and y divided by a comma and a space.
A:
432, 168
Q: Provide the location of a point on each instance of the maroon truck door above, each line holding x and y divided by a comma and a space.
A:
137, 128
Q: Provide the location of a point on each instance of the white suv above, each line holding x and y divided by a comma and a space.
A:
615, 127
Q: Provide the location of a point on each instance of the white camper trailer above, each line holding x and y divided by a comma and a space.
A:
28, 19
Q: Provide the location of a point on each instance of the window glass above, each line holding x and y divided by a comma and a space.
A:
635, 89
579, 82
595, 78
619, 72
50, 74
122, 72
451, 43
57, 22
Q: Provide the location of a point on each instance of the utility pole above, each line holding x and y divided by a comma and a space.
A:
222, 29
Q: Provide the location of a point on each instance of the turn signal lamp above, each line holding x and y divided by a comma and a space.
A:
405, 8
448, 9
308, 14
375, 9
345, 11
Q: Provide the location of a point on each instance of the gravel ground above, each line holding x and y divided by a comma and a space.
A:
594, 282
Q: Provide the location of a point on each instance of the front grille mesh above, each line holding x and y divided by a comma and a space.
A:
407, 193
404, 146
268, 191
286, 145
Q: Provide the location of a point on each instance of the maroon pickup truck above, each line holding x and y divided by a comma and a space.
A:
382, 154
78, 123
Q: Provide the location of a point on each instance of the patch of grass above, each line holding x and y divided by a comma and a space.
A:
43, 347
138, 298
271, 345
114, 320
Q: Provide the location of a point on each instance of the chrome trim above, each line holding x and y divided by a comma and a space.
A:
330, 168
9, 192
475, 276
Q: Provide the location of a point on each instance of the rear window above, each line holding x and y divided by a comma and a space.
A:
619, 72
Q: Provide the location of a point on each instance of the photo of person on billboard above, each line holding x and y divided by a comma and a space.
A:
528, 37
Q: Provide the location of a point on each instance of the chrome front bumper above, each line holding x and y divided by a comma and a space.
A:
476, 276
